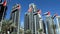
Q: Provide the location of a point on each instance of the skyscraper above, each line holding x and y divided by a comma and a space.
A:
49, 23
26, 22
15, 16
58, 24
32, 19
41, 25
3, 8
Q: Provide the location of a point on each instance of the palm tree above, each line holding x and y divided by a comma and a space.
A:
54, 27
40, 31
6, 26
28, 31
21, 31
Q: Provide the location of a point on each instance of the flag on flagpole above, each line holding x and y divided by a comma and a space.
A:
39, 11
55, 15
47, 13
4, 3
30, 9
19, 7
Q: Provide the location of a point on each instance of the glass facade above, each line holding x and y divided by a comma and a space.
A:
49, 23
58, 24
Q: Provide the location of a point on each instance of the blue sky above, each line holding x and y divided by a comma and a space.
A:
45, 5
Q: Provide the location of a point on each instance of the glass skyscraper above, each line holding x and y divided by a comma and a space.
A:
31, 21
15, 16
58, 24
49, 23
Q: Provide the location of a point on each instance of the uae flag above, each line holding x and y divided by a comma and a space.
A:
47, 13
4, 3
30, 9
39, 11
55, 15
19, 7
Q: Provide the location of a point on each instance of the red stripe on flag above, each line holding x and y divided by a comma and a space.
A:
19, 6
39, 12
4, 3
30, 9
56, 14
48, 13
